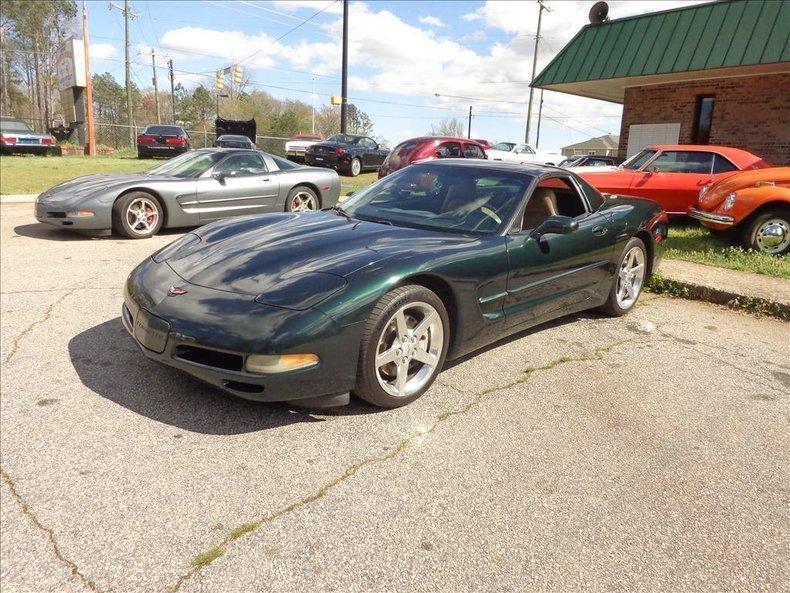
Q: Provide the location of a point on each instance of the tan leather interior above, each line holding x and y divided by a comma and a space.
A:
462, 192
540, 206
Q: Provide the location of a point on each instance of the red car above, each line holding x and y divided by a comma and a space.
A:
673, 174
160, 140
428, 148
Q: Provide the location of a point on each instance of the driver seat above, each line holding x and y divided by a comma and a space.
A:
460, 193
541, 205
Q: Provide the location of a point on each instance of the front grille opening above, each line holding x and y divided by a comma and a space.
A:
211, 358
56, 215
243, 387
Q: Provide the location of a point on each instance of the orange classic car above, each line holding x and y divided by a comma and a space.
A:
672, 174
753, 205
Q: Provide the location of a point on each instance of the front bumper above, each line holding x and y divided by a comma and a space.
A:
209, 333
714, 221
56, 214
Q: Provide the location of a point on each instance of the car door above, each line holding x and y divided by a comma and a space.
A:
674, 178
556, 273
239, 184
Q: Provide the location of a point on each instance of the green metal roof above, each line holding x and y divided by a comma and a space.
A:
725, 34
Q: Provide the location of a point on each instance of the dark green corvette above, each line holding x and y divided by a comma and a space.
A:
428, 264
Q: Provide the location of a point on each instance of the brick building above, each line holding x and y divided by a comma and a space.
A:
714, 73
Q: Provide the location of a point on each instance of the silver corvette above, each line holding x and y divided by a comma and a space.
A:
190, 190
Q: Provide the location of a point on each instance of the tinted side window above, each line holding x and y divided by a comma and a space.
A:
448, 149
241, 165
722, 165
472, 151
680, 161
368, 143
554, 196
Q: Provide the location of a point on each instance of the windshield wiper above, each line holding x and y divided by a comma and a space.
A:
339, 210
378, 220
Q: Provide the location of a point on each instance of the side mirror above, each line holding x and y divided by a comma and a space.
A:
219, 176
557, 225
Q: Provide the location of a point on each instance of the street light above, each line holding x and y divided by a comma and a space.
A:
218, 96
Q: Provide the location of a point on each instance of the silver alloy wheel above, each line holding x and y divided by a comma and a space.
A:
630, 277
409, 348
142, 216
356, 167
773, 236
303, 202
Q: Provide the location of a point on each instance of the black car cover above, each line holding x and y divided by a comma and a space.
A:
237, 127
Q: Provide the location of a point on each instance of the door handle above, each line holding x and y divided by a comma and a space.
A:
264, 180
599, 231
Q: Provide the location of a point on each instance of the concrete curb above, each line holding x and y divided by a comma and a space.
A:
18, 199
689, 290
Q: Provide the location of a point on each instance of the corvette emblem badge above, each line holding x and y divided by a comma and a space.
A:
176, 291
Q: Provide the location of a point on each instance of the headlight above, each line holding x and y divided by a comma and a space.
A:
729, 201
265, 364
170, 250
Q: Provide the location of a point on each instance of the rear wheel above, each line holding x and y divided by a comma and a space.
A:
403, 347
769, 232
137, 215
629, 279
302, 199
355, 168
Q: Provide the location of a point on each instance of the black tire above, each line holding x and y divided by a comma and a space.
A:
613, 307
308, 194
751, 235
354, 170
120, 216
368, 387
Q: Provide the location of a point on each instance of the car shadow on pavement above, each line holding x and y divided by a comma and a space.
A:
109, 363
53, 233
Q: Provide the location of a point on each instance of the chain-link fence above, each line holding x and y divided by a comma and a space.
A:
118, 136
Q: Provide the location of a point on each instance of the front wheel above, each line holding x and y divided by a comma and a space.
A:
355, 168
137, 215
629, 280
769, 232
403, 347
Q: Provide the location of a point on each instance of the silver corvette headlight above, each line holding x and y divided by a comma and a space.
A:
729, 201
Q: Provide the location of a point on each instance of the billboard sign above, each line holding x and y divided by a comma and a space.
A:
70, 64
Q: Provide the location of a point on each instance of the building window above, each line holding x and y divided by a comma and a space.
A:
704, 119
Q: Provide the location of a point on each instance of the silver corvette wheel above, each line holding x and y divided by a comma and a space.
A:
142, 216
303, 202
631, 277
409, 349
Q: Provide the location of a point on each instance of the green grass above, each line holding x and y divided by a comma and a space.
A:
209, 556
33, 174
694, 243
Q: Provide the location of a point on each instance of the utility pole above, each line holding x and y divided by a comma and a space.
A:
540, 113
172, 90
541, 8
312, 105
156, 86
344, 80
127, 14
469, 127
91, 128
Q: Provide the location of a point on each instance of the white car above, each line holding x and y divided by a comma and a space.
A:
296, 147
522, 153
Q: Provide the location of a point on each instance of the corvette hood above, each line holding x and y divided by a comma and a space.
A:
82, 187
255, 255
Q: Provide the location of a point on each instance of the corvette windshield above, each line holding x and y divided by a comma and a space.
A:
189, 164
446, 198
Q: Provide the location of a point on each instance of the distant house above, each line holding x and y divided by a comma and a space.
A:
605, 145
714, 73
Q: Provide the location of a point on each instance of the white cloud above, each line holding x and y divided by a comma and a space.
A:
103, 51
432, 21
473, 16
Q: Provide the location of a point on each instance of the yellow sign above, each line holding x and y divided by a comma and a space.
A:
237, 74
336, 100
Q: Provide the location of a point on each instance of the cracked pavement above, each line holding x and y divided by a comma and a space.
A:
648, 453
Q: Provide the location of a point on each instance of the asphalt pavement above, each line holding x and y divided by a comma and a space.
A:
647, 453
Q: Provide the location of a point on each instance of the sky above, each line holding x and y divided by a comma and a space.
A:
411, 63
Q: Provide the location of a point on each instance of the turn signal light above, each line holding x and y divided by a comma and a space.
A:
265, 364
80, 214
